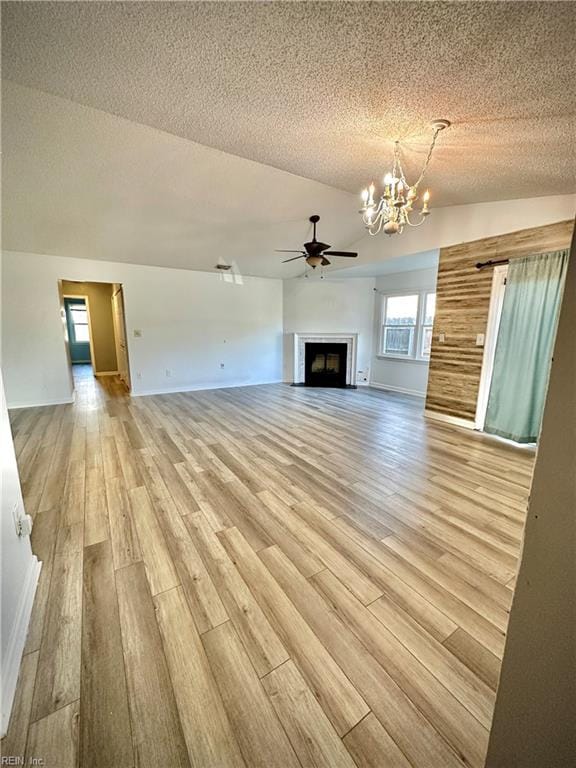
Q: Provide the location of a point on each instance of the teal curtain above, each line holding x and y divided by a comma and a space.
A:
524, 346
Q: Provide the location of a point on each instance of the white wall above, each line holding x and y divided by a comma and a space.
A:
407, 376
19, 570
191, 322
329, 306
463, 223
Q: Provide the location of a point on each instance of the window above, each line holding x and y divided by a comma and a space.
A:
427, 323
400, 322
407, 322
79, 317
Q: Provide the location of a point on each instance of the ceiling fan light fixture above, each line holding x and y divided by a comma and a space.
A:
395, 208
314, 261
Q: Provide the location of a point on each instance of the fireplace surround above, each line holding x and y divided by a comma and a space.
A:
301, 340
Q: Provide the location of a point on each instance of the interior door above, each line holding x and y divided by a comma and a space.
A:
120, 335
78, 330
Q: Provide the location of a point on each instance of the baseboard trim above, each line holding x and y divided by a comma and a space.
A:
16, 643
200, 388
454, 420
400, 390
15, 406
105, 373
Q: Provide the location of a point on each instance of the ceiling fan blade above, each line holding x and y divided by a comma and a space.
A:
346, 254
294, 258
281, 250
315, 247
325, 261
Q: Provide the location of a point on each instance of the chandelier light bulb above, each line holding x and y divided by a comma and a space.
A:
395, 208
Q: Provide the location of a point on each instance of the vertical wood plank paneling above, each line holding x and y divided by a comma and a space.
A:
462, 302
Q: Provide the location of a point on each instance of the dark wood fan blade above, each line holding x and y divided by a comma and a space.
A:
315, 247
281, 250
294, 258
325, 261
346, 254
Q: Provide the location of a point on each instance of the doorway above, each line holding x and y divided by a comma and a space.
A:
78, 324
494, 316
95, 330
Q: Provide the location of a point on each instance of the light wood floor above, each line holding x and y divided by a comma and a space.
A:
264, 577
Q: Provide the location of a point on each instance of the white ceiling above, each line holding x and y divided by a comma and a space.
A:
116, 115
320, 89
407, 263
80, 182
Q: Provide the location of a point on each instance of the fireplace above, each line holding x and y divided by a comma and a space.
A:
325, 364
324, 340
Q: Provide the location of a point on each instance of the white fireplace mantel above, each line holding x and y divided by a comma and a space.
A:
301, 339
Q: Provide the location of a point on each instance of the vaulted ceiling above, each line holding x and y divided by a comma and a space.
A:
321, 89
317, 90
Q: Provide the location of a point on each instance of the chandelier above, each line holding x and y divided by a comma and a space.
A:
396, 207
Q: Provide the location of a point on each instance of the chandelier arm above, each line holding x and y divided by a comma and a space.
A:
415, 224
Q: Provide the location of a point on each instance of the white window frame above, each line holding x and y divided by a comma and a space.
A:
418, 338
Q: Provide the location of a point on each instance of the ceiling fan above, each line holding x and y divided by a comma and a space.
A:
315, 252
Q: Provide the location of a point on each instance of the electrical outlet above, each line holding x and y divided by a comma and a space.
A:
168, 373
479, 339
25, 526
137, 333
138, 375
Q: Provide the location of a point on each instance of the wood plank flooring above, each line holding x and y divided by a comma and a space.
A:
263, 576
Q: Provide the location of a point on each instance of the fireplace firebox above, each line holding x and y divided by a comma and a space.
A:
325, 364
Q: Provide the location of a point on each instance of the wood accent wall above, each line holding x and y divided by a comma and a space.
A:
462, 303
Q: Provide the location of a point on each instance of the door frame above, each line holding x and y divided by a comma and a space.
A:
494, 314
87, 300
119, 290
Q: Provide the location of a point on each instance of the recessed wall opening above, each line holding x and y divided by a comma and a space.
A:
325, 364
94, 330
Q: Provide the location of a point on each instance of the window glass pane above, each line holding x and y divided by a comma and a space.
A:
426, 341
398, 341
430, 308
401, 310
79, 315
81, 333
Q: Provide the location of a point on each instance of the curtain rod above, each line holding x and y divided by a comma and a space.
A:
482, 264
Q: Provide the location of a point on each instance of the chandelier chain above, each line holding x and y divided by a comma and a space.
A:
428, 157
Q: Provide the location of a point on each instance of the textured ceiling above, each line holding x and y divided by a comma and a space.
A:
321, 89
80, 182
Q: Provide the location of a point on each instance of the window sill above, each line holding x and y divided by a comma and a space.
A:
397, 358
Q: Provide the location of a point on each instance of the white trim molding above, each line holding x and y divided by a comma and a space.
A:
300, 341
64, 401
400, 390
16, 642
454, 420
199, 388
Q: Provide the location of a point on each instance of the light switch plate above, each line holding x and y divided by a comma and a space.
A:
442, 338
479, 339
137, 334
